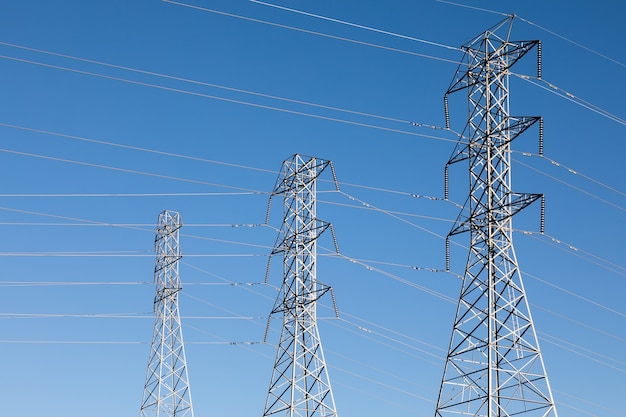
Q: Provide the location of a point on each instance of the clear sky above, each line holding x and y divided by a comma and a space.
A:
112, 112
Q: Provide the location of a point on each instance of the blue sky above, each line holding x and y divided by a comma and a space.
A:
112, 112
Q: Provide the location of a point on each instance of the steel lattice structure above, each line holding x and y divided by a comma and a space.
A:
300, 386
494, 367
166, 392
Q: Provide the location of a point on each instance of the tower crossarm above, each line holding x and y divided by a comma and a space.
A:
304, 173
476, 72
289, 237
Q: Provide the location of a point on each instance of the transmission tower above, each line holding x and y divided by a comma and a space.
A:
300, 386
494, 367
166, 392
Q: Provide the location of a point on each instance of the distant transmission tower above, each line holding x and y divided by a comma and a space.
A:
166, 392
299, 386
494, 366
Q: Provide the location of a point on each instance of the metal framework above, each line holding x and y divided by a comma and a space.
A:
494, 367
300, 386
166, 392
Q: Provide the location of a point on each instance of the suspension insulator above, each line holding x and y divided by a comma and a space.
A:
541, 136
267, 329
447, 255
542, 224
267, 269
332, 295
446, 112
445, 183
332, 233
539, 60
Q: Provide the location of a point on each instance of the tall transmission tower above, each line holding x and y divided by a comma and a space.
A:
300, 386
166, 392
494, 367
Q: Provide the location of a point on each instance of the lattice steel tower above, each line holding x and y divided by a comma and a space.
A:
166, 391
494, 367
300, 386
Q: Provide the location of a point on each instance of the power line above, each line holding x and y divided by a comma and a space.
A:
569, 97
311, 32
214, 97
204, 84
573, 250
355, 25
365, 265
581, 324
473, 7
130, 171
73, 195
116, 316
572, 186
593, 51
122, 255
74, 342
551, 32
572, 171
580, 297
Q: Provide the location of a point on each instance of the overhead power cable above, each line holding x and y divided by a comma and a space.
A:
573, 250
551, 32
115, 316
580, 297
83, 195
576, 351
552, 88
123, 255
132, 171
355, 25
204, 84
368, 333
473, 7
553, 162
361, 207
564, 94
572, 171
587, 105
581, 324
593, 51
548, 86
367, 266
194, 158
229, 100
602, 200
352, 260
310, 32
